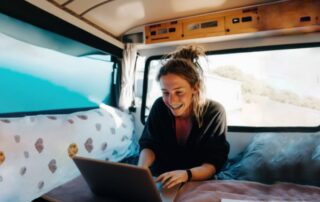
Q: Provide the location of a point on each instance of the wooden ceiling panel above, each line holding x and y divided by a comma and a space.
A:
119, 16
122, 15
83, 6
61, 2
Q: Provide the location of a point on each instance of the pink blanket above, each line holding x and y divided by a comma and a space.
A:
216, 190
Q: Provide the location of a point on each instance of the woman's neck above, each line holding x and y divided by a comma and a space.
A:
183, 129
186, 115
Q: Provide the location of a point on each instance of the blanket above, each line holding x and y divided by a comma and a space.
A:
217, 190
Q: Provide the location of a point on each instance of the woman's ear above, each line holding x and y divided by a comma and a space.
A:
196, 88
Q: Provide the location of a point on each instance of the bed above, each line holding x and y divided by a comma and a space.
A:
272, 167
219, 190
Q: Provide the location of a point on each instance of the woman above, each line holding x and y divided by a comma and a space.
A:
185, 135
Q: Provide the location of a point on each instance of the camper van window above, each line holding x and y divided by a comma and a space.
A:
270, 88
34, 78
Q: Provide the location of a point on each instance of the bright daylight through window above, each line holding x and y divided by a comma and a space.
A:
263, 88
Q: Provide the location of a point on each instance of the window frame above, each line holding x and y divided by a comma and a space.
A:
231, 51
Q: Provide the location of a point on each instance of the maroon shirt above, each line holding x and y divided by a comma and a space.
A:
183, 129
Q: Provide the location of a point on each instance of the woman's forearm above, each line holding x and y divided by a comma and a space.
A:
203, 172
146, 158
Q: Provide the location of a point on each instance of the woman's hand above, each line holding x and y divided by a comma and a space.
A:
172, 178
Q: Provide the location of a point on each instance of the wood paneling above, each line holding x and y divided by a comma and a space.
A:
204, 26
297, 13
276, 16
243, 21
168, 31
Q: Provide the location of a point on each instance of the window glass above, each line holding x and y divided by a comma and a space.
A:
33, 78
263, 88
139, 76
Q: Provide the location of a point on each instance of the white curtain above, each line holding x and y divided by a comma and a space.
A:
127, 79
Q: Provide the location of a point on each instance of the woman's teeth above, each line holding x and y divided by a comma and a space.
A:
175, 107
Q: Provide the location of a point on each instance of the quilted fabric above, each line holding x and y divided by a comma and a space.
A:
36, 151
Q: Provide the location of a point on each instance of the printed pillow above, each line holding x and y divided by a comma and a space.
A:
282, 157
36, 151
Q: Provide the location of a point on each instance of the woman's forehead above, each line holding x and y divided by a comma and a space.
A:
173, 81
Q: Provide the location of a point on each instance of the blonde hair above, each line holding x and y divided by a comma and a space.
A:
184, 62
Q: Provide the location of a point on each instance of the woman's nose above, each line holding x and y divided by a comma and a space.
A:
172, 99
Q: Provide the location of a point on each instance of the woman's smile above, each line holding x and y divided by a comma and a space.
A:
176, 107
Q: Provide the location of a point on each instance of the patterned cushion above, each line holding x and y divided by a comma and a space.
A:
35, 151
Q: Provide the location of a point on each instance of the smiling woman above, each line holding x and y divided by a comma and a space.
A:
184, 137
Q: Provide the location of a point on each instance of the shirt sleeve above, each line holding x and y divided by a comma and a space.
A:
215, 146
148, 138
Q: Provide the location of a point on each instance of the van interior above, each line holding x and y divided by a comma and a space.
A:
77, 78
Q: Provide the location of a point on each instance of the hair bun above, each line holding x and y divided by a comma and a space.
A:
190, 52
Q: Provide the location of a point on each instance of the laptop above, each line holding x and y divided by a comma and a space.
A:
117, 180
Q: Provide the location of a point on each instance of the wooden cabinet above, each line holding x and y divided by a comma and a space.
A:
243, 21
290, 14
161, 32
203, 26
275, 16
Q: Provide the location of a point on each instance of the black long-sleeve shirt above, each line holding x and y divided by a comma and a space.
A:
206, 144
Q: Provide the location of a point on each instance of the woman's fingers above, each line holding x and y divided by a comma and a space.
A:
159, 178
170, 179
164, 178
172, 183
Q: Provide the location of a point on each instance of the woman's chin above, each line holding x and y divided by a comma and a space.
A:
177, 113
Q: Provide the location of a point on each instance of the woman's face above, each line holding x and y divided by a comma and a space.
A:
177, 94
